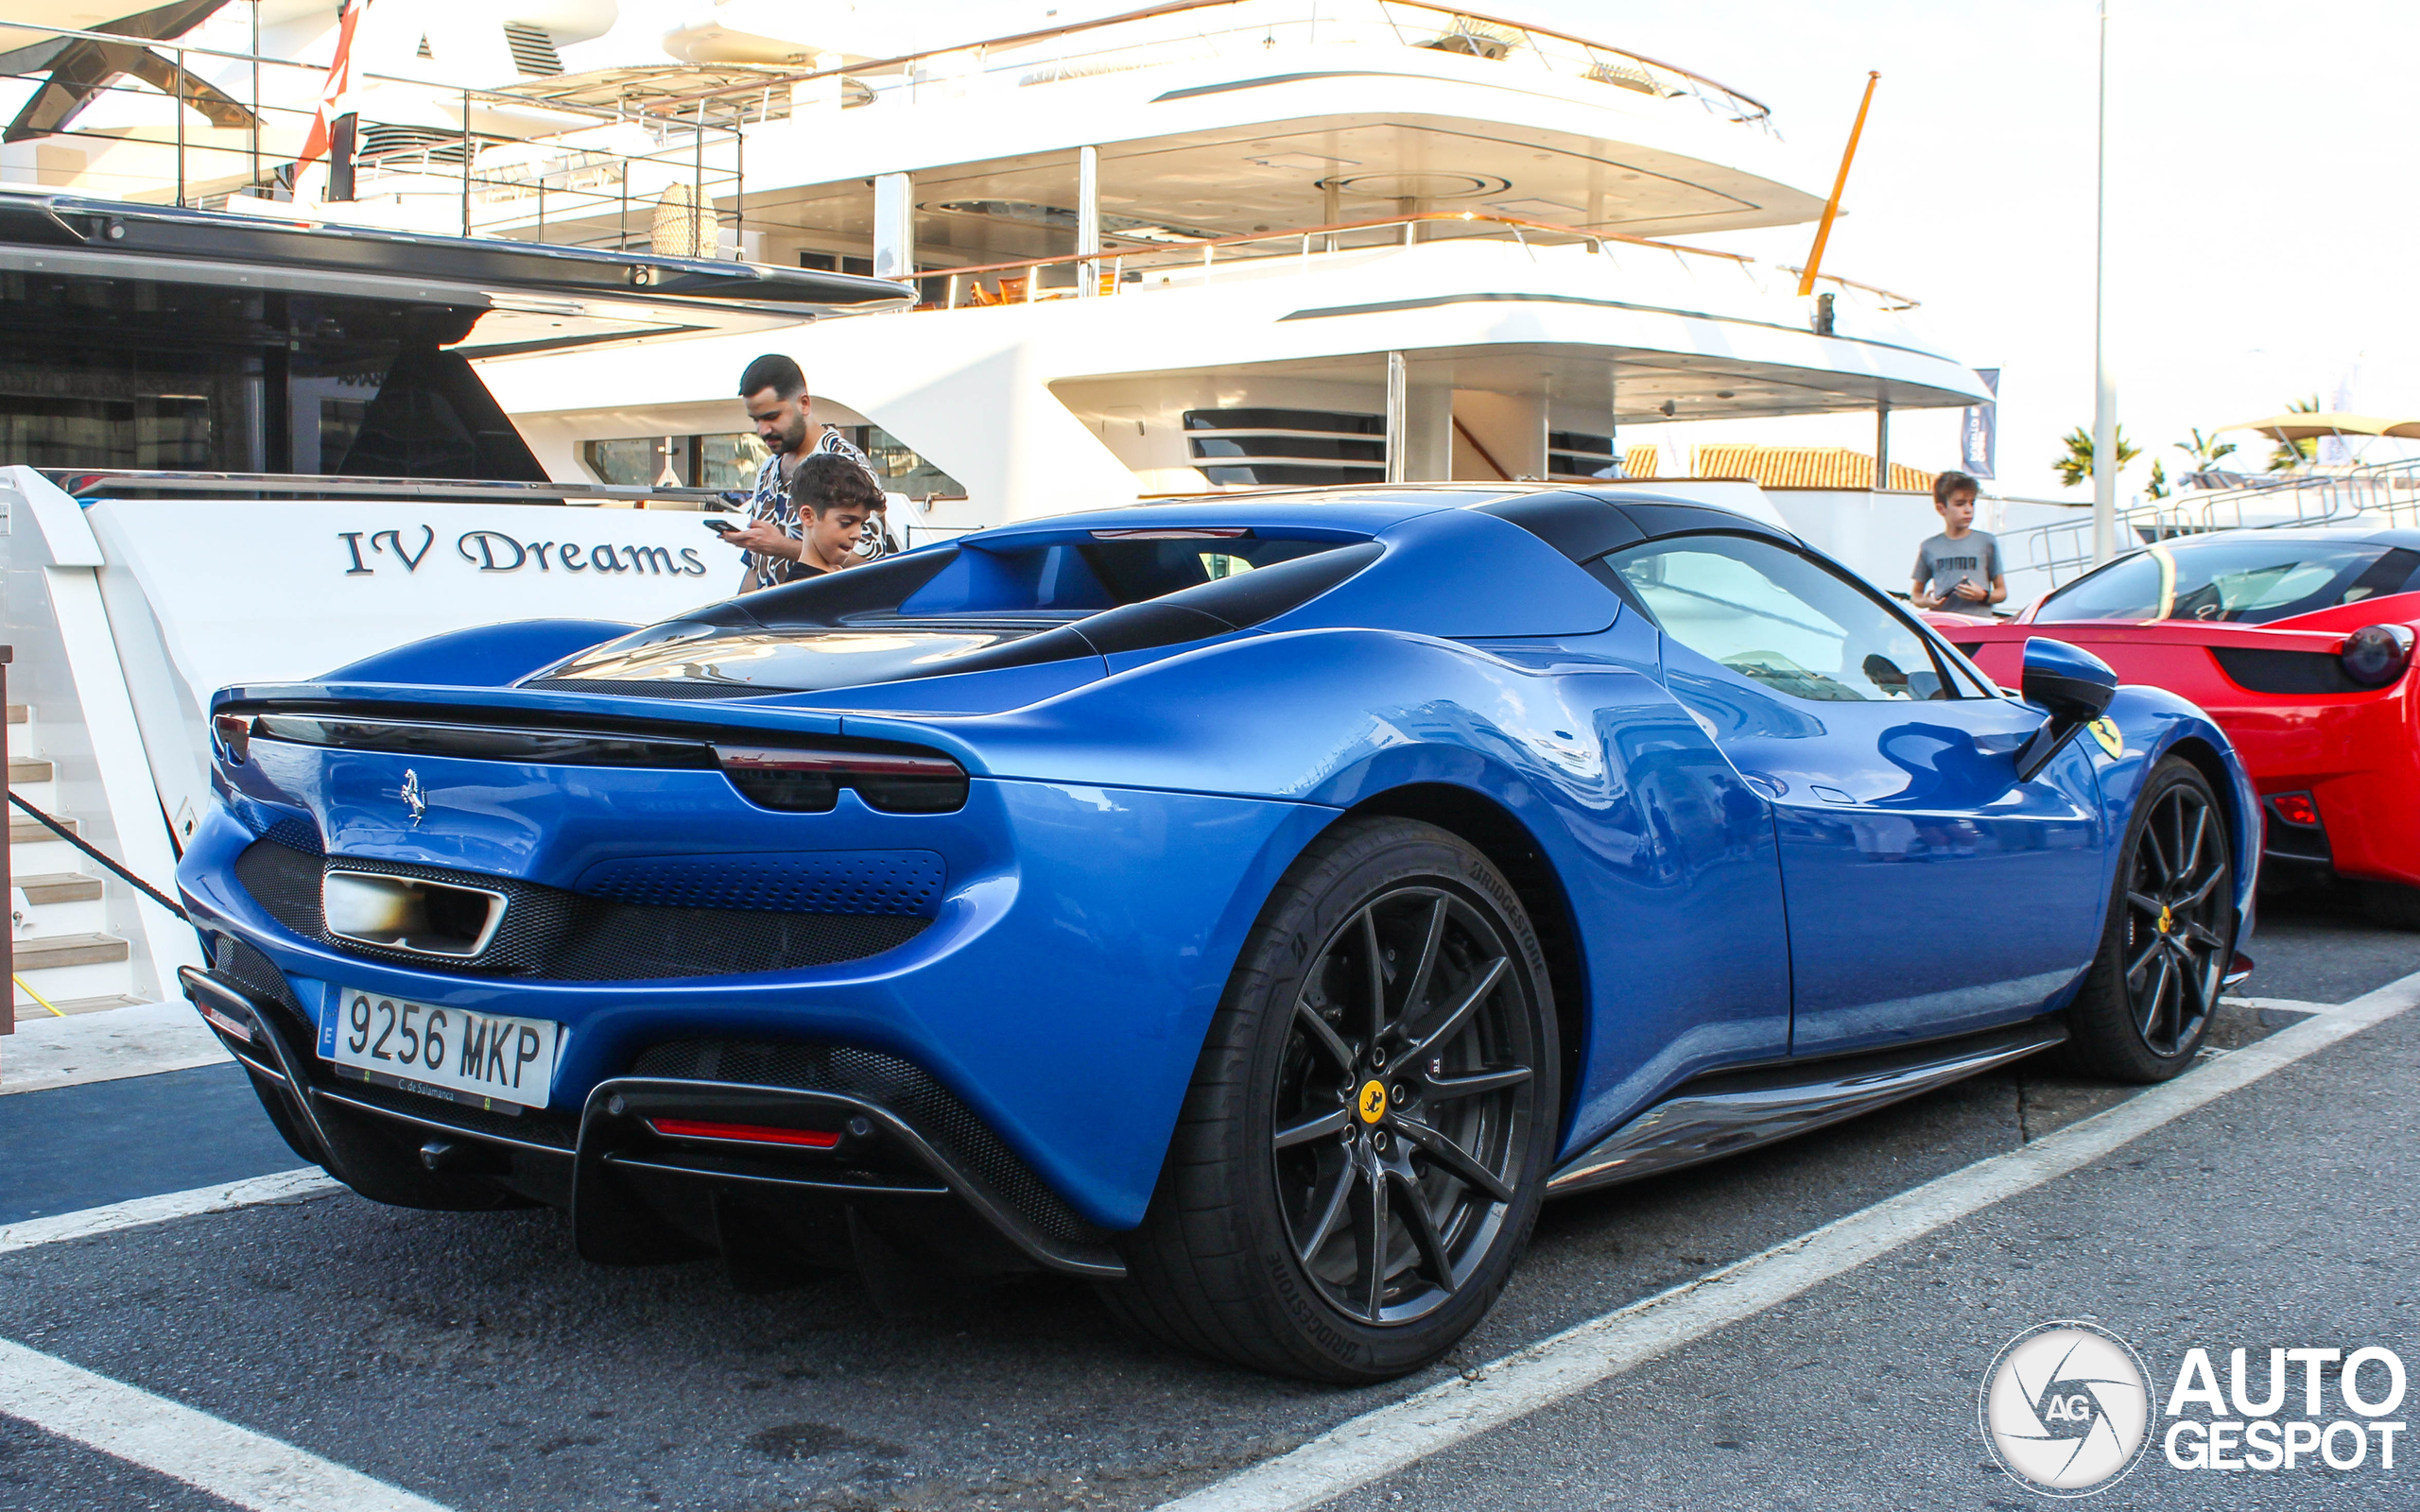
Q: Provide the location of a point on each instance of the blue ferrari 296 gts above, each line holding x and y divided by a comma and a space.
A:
1257, 905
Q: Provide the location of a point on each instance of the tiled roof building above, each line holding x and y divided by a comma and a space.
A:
1804, 467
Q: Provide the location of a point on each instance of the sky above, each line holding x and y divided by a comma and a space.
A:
2260, 237
2259, 227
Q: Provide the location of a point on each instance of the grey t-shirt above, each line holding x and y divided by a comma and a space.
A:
1941, 563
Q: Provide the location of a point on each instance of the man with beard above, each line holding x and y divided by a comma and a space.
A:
773, 540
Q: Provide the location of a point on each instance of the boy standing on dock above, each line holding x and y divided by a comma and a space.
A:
1959, 568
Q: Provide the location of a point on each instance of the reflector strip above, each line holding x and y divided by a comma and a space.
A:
750, 1133
240, 1031
2295, 808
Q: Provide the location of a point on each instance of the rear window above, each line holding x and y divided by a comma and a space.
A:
2241, 581
1083, 578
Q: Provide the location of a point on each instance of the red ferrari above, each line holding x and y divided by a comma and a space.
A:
2299, 642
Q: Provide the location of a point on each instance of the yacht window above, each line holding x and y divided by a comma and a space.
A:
1297, 447
730, 459
1578, 454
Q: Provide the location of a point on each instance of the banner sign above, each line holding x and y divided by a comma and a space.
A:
1980, 434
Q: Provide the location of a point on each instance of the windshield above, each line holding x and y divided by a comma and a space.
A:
2247, 582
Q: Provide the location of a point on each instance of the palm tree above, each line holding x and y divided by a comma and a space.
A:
2206, 451
2292, 454
2076, 465
2158, 486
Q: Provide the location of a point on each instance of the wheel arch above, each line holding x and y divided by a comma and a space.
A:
1498, 835
2242, 813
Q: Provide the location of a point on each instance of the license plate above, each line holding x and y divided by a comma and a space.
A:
487, 1060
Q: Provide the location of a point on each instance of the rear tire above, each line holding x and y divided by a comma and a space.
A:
1364, 1145
2146, 1005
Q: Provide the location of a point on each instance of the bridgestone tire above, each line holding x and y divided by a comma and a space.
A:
2108, 1020
1216, 1267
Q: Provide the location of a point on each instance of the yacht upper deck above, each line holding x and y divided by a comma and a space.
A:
1209, 119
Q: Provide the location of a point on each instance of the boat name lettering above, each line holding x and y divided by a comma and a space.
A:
493, 551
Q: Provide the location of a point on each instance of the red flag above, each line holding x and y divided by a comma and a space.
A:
339, 84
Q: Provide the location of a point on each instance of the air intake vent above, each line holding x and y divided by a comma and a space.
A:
1294, 448
534, 51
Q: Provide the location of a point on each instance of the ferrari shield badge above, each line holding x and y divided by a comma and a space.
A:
2104, 729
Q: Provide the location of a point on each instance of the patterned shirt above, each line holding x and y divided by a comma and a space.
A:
770, 503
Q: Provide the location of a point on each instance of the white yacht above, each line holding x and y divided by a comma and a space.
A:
266, 411
1204, 244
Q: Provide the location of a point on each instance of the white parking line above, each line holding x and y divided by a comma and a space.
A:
286, 1186
1357, 1453
2288, 1005
234, 1463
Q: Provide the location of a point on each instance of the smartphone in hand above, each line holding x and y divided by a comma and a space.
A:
720, 527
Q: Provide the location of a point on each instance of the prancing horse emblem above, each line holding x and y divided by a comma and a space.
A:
412, 798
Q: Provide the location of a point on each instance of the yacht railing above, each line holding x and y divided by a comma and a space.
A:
1187, 30
139, 483
2381, 493
589, 162
1120, 269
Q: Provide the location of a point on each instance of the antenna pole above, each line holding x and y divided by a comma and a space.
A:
2105, 460
1832, 206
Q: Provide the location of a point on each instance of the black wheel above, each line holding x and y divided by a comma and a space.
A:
2146, 1005
2390, 905
1364, 1145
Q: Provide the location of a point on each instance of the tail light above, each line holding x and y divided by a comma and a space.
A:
2375, 655
2296, 809
810, 782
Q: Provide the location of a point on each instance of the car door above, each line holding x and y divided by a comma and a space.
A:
1927, 891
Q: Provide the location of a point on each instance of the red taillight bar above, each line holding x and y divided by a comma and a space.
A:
812, 1138
871, 764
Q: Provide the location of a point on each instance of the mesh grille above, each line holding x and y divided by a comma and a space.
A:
2289, 671
901, 1086
298, 834
858, 882
558, 935
637, 688
249, 969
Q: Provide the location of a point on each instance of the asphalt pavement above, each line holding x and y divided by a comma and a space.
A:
477, 1362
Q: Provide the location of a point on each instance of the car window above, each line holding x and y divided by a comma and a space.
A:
1771, 614
2238, 580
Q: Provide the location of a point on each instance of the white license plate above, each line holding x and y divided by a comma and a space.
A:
481, 1059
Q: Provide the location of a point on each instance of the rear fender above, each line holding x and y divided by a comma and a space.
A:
486, 656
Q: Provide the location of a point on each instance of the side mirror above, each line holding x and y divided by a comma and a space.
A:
2069, 684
